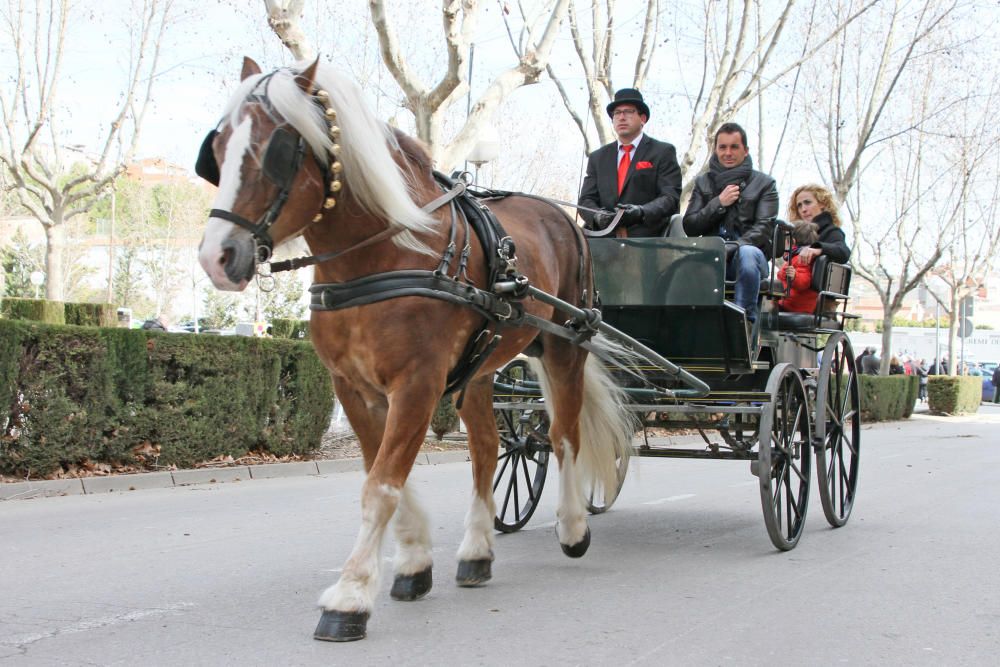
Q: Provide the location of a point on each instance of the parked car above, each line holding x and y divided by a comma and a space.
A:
188, 326
988, 368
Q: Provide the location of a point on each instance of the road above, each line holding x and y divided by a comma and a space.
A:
680, 572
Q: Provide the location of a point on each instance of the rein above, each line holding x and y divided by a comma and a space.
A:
300, 262
598, 233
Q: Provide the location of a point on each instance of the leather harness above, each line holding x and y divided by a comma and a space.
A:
499, 307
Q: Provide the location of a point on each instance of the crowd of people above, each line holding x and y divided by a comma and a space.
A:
869, 363
634, 183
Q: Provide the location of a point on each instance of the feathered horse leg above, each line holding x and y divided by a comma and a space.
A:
347, 604
475, 555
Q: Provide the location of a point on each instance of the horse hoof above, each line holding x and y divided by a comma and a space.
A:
341, 626
474, 572
578, 549
408, 587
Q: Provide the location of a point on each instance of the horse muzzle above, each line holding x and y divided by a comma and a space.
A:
239, 259
230, 264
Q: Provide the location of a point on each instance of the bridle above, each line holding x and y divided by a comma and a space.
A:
283, 159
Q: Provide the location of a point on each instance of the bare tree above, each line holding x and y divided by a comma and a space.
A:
853, 113
428, 103
594, 44
53, 189
904, 242
283, 17
971, 252
854, 124
739, 64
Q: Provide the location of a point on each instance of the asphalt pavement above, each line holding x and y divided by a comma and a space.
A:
681, 571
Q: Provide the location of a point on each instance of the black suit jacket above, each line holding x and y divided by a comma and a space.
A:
656, 186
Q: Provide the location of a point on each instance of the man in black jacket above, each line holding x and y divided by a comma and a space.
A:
734, 201
636, 173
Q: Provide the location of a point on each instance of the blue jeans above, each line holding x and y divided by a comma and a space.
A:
749, 266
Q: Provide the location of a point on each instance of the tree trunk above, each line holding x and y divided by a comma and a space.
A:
55, 242
883, 367
953, 334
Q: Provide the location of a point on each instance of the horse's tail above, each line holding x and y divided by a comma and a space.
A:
606, 426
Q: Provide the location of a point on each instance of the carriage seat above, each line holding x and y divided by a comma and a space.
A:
832, 281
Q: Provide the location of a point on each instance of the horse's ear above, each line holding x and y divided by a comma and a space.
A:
307, 77
249, 68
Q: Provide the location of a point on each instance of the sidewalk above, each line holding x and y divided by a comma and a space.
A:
162, 480
159, 480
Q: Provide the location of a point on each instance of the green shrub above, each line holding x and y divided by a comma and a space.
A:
71, 395
888, 397
445, 419
954, 395
295, 329
37, 310
91, 314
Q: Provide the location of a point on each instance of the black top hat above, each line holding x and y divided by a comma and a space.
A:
629, 96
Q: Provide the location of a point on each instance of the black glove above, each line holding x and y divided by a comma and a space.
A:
633, 213
603, 219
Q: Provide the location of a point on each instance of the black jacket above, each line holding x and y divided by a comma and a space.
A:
653, 181
750, 221
832, 241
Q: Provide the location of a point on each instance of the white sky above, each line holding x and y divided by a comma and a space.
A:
542, 150
201, 60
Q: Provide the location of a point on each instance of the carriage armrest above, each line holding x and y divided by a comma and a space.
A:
831, 277
675, 228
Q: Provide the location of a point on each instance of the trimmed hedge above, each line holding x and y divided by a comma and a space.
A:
295, 329
954, 395
37, 310
91, 314
445, 418
72, 394
888, 397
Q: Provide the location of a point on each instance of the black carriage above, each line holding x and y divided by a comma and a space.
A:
776, 395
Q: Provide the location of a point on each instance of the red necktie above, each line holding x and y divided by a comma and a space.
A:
623, 166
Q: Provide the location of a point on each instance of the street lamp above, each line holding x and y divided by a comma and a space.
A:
36, 278
486, 149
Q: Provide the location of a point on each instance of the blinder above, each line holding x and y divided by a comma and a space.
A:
206, 166
283, 157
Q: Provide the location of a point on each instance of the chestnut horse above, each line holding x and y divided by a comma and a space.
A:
298, 152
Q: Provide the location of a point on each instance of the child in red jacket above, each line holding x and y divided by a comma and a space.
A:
797, 275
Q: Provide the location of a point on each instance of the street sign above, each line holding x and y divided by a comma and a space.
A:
966, 309
965, 327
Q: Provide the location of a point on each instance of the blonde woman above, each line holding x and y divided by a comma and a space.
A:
814, 203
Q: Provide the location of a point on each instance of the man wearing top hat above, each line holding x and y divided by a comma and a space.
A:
636, 173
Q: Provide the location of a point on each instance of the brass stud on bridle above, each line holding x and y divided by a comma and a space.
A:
335, 166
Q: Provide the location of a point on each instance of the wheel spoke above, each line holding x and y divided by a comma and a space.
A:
845, 400
506, 456
511, 485
797, 471
527, 479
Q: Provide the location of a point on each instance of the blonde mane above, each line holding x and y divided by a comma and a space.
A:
371, 173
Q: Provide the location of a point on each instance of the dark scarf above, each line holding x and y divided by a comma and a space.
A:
721, 177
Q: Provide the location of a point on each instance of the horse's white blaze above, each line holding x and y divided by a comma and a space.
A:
355, 591
572, 526
230, 182
413, 536
478, 541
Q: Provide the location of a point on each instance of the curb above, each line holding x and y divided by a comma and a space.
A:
180, 478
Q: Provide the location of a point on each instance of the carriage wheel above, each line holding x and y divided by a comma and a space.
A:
838, 429
784, 457
523, 458
597, 501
